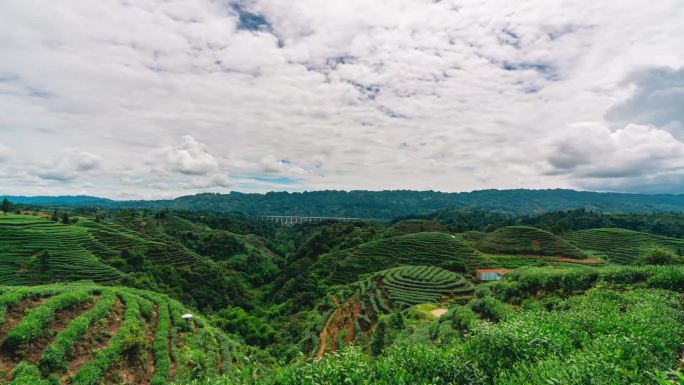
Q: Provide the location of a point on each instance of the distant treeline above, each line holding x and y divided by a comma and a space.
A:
558, 222
390, 204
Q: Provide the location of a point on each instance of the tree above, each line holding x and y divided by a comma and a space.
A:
378, 341
44, 261
5, 206
135, 259
396, 321
489, 228
253, 329
55, 216
65, 218
660, 257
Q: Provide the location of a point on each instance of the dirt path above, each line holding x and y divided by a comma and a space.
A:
12, 318
172, 357
58, 323
150, 334
586, 261
96, 338
438, 312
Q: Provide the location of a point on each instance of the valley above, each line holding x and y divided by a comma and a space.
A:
92, 295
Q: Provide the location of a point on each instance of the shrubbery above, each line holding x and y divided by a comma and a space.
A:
661, 257
253, 329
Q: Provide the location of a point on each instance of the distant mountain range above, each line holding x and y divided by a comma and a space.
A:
387, 204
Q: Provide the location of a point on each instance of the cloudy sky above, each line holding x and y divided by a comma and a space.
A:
161, 98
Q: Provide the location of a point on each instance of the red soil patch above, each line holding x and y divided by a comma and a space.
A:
324, 333
341, 318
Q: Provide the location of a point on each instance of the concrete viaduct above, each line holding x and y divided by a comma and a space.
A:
291, 220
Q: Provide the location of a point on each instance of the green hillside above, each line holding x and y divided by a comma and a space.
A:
410, 226
524, 240
622, 246
24, 238
34, 249
349, 314
118, 238
89, 334
427, 248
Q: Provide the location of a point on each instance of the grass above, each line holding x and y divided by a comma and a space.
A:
622, 246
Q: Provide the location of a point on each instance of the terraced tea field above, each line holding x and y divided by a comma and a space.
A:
24, 238
427, 248
622, 246
523, 240
411, 226
159, 250
350, 314
88, 334
75, 251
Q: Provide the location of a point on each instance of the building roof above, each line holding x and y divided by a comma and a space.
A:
500, 271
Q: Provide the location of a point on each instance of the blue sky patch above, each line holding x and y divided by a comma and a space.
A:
250, 21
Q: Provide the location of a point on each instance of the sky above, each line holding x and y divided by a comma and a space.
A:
149, 99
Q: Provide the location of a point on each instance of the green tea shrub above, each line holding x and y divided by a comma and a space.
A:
491, 308
34, 322
53, 358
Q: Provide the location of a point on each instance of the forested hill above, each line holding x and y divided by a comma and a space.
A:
389, 204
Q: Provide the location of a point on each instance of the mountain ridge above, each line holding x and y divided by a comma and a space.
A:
387, 203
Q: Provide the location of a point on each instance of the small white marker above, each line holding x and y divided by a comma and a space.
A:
187, 316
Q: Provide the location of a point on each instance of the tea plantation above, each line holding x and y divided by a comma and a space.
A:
355, 309
89, 334
34, 249
622, 246
425, 248
524, 240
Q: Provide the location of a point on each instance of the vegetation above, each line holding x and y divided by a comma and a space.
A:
388, 204
427, 248
622, 246
418, 226
83, 351
99, 298
524, 240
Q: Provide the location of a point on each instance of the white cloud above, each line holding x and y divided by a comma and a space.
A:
66, 165
189, 157
271, 165
592, 150
657, 97
449, 95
